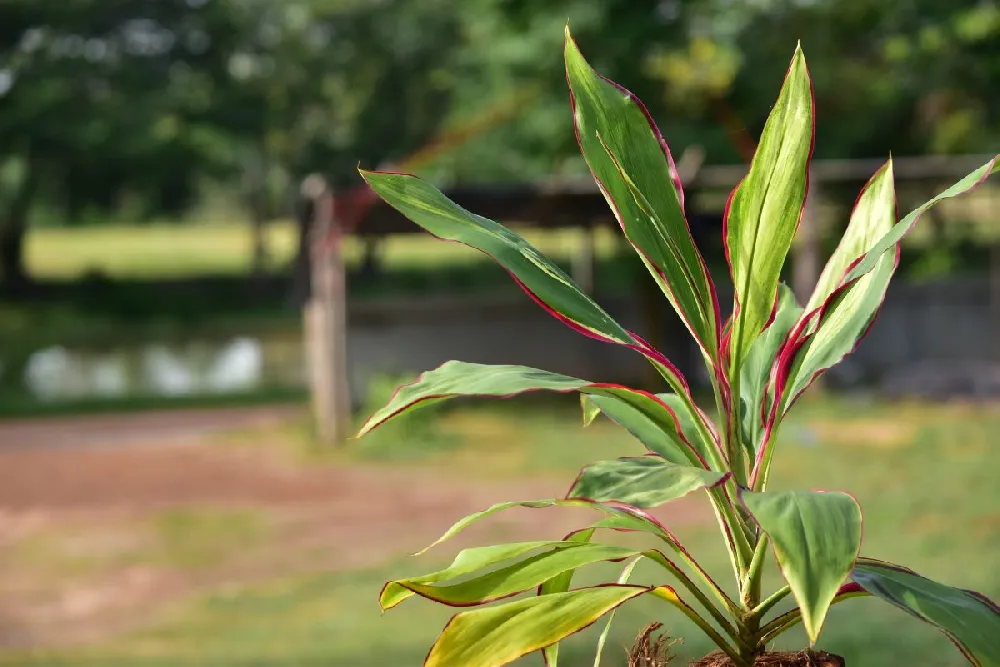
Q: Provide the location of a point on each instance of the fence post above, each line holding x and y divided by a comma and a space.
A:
326, 320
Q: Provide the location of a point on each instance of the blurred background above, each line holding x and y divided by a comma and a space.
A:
166, 496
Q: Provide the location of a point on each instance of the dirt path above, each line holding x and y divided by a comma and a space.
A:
79, 499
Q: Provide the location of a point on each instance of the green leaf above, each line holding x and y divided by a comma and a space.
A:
498, 635
619, 518
816, 537
844, 318
756, 371
673, 444
466, 562
622, 579
649, 415
560, 584
644, 481
544, 282
902, 228
590, 409
516, 577
633, 167
765, 208
969, 619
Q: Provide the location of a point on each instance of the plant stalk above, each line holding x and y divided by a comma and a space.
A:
792, 618
750, 589
699, 595
773, 599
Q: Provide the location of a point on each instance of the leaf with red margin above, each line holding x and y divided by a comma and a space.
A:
468, 561
764, 210
969, 619
634, 169
511, 579
840, 323
641, 481
832, 329
560, 584
647, 431
755, 373
816, 537
456, 378
903, 227
539, 277
498, 635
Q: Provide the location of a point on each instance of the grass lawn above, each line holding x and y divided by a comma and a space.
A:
179, 250
925, 476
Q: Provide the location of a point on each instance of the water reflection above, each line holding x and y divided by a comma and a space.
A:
236, 365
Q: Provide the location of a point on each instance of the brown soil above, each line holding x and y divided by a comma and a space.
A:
93, 487
784, 659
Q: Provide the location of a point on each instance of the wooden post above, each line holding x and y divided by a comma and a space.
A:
806, 251
326, 320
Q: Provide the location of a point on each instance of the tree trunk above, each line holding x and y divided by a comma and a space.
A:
13, 230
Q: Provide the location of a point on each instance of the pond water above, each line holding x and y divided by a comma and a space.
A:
235, 365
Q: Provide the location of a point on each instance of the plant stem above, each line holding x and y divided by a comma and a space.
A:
728, 517
792, 618
773, 599
735, 655
734, 446
681, 576
758, 475
750, 589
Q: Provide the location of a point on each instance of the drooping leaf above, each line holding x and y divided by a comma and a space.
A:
498, 635
516, 577
844, 317
560, 584
765, 208
969, 619
756, 370
642, 481
543, 281
670, 444
618, 518
633, 167
466, 562
456, 378
816, 537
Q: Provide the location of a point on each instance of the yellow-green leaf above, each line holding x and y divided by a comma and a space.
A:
816, 537
499, 635
765, 208
633, 167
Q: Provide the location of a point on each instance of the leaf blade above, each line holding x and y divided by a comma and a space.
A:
498, 635
539, 277
649, 416
517, 577
969, 619
845, 315
632, 165
644, 481
765, 208
561, 584
816, 536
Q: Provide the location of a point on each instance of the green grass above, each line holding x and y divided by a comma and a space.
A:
925, 475
224, 248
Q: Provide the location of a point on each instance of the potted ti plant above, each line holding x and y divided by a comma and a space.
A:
760, 361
